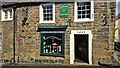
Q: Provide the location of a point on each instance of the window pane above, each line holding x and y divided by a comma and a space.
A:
83, 8
83, 16
44, 15
49, 7
88, 7
79, 8
79, 12
10, 13
79, 16
44, 19
88, 11
48, 19
47, 15
88, 16
83, 12
44, 11
44, 7
51, 18
80, 4
6, 14
87, 3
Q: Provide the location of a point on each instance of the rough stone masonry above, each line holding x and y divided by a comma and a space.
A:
28, 37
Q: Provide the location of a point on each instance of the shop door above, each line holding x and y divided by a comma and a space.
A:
81, 48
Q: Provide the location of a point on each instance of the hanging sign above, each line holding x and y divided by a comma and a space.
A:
63, 10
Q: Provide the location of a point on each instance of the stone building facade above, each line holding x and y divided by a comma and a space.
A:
117, 29
65, 39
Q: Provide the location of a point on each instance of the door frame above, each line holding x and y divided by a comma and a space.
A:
72, 46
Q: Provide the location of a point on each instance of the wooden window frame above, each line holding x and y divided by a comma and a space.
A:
9, 18
53, 54
84, 19
41, 13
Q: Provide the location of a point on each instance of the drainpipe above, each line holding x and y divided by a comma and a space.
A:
14, 30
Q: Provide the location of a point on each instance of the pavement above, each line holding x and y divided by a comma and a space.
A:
54, 65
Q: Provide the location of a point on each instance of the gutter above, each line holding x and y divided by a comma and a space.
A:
14, 30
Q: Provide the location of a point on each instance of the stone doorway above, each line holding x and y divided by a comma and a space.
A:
86, 38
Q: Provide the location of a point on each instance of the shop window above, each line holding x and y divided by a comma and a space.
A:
6, 14
52, 43
84, 11
47, 13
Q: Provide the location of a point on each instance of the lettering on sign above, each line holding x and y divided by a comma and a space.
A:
82, 32
60, 61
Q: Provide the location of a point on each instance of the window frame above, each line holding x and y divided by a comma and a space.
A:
9, 18
41, 13
84, 19
52, 54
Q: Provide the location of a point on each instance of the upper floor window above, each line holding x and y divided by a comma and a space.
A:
84, 11
47, 13
6, 14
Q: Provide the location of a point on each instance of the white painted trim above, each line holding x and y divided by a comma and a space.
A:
71, 49
80, 32
41, 14
3, 15
85, 19
92, 10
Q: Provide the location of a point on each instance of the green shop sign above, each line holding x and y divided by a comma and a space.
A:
63, 10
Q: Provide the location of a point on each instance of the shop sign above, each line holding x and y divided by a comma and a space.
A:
63, 10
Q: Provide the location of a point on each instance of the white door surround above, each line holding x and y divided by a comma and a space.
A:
72, 46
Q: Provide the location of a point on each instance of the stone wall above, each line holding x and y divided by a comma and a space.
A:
28, 38
7, 41
6, 29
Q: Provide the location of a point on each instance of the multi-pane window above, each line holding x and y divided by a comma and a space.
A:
52, 43
84, 11
6, 14
47, 13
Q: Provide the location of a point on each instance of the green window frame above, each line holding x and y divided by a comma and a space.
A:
52, 43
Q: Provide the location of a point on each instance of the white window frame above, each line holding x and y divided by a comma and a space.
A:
41, 14
84, 19
3, 15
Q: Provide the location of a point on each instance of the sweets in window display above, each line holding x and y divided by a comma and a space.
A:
52, 44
